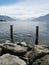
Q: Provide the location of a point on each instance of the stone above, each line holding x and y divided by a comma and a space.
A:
8, 59
29, 54
42, 61
36, 53
7, 41
22, 44
41, 49
14, 49
28, 57
17, 43
0, 50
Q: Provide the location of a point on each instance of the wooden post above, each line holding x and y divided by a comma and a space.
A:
36, 40
11, 33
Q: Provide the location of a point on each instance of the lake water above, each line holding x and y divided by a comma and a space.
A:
21, 29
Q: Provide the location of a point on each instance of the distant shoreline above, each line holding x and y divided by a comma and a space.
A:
2, 20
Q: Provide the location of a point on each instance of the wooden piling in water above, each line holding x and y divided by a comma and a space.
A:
37, 31
11, 33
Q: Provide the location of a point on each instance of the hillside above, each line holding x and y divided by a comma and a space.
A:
42, 18
6, 18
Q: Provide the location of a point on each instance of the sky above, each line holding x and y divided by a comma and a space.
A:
24, 9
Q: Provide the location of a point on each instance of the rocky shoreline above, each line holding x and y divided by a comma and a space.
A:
23, 54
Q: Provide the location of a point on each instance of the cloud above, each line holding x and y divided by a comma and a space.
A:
26, 9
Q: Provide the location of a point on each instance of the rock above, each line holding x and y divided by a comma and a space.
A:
14, 49
7, 41
9, 44
41, 49
8, 59
28, 57
38, 51
0, 50
42, 61
29, 54
17, 43
22, 44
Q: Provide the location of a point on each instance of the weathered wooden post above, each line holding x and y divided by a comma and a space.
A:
37, 30
11, 33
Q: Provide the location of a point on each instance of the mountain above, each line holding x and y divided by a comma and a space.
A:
42, 18
6, 18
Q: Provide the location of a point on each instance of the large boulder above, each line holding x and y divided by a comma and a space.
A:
37, 52
27, 53
41, 49
8, 59
42, 61
13, 49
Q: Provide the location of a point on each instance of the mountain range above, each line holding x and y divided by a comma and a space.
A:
6, 18
44, 18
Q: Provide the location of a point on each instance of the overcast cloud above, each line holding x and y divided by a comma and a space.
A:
24, 8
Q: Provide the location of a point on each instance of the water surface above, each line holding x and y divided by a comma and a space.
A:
21, 29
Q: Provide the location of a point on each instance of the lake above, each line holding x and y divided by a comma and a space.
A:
21, 29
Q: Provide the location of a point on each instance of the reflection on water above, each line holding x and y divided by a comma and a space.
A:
21, 29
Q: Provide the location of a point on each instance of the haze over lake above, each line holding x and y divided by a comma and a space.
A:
21, 29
